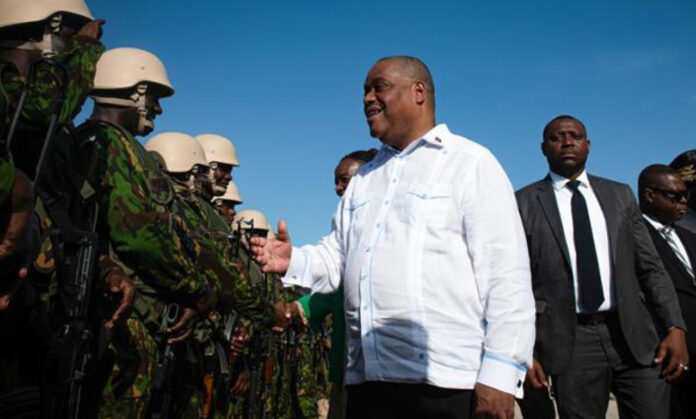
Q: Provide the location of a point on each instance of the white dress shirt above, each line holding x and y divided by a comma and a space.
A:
431, 249
684, 255
600, 234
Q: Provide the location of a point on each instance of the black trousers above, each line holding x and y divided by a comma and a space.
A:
683, 404
381, 400
602, 363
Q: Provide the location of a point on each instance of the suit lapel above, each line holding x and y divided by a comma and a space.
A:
690, 250
611, 215
669, 259
547, 199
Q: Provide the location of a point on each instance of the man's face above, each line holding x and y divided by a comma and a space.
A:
343, 173
566, 147
389, 102
667, 198
153, 108
222, 175
228, 210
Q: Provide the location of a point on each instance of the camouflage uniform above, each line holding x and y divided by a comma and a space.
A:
26, 335
140, 224
304, 380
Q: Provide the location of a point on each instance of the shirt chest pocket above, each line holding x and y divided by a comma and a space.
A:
432, 204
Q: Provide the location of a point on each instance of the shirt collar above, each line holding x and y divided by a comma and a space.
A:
559, 182
439, 136
653, 222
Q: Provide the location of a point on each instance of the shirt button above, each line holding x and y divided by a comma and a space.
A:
367, 250
386, 202
394, 180
364, 308
379, 225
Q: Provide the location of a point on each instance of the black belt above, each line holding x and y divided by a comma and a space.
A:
588, 319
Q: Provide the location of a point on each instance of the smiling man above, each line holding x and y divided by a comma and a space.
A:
608, 318
428, 245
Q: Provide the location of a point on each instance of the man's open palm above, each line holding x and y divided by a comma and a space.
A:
273, 255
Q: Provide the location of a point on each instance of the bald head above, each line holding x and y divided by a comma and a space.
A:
416, 70
654, 176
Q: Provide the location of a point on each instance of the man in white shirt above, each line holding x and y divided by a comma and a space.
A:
428, 243
607, 314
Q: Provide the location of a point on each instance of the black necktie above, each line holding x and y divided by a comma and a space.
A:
590, 291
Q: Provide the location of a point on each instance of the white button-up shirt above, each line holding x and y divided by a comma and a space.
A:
600, 234
430, 247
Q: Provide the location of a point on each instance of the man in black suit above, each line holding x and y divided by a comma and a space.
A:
663, 199
598, 284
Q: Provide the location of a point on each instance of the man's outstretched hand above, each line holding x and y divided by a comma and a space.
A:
273, 255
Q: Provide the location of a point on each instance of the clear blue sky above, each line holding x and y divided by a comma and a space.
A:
284, 81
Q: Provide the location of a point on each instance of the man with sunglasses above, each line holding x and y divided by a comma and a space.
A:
663, 198
607, 315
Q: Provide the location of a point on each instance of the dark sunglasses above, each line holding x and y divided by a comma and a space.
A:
672, 195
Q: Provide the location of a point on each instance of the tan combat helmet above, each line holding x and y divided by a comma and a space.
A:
179, 152
18, 12
231, 195
246, 218
218, 150
131, 68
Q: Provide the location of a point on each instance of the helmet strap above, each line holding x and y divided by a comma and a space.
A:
136, 100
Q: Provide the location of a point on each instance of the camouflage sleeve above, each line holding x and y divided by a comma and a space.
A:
136, 207
79, 62
235, 289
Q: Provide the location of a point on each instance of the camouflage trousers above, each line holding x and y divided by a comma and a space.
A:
128, 388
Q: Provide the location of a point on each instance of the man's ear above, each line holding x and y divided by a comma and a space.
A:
648, 195
543, 147
420, 93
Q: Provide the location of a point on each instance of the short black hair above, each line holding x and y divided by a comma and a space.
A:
685, 164
363, 156
416, 70
558, 118
649, 177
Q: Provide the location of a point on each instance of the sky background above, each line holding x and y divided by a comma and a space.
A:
283, 80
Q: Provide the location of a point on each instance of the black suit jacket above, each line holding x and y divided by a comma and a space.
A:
683, 283
642, 287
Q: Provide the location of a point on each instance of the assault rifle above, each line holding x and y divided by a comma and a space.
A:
75, 245
163, 376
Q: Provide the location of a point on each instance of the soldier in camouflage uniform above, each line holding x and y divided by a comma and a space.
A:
47, 56
226, 203
184, 160
298, 377
221, 155
263, 358
145, 226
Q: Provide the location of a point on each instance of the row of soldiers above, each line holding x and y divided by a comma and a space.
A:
128, 287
